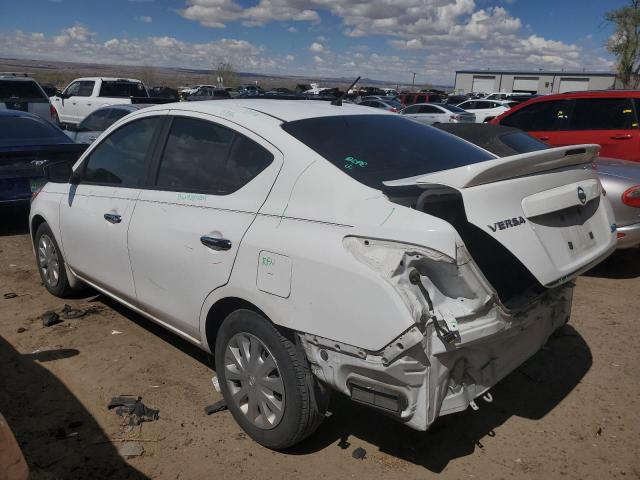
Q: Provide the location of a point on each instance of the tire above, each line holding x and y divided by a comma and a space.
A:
279, 366
48, 259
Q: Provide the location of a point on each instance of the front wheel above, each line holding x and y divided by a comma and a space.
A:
266, 381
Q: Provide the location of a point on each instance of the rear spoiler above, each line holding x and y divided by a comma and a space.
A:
153, 100
506, 167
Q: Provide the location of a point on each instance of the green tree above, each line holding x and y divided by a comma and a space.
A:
625, 42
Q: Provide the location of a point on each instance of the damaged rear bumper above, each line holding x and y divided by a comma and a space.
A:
422, 374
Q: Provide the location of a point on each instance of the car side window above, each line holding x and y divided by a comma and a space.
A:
541, 116
119, 160
603, 114
72, 90
468, 105
203, 157
411, 109
428, 109
86, 88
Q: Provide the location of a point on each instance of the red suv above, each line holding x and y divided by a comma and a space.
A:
608, 118
407, 99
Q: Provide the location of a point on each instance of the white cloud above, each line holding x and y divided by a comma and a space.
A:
318, 60
77, 43
316, 47
292, 29
289, 58
217, 13
144, 19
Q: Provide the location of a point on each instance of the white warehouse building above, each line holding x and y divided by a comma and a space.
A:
538, 81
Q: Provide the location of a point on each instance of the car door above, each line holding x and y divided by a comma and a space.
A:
412, 112
66, 107
212, 178
85, 99
96, 213
546, 120
432, 114
609, 122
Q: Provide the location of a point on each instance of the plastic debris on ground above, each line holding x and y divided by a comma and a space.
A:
50, 318
131, 449
133, 410
359, 453
219, 406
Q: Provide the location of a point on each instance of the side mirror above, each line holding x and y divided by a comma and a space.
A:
58, 172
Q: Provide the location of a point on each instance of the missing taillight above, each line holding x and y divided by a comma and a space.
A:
631, 196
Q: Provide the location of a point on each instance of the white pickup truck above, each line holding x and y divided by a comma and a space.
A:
84, 95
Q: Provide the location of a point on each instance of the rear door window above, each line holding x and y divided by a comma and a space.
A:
429, 109
21, 90
116, 89
203, 157
411, 109
603, 114
541, 116
119, 160
359, 146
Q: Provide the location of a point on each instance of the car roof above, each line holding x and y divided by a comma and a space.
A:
108, 79
281, 110
17, 79
131, 107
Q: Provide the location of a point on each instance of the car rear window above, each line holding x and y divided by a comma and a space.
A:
452, 108
122, 89
21, 90
522, 142
28, 131
359, 146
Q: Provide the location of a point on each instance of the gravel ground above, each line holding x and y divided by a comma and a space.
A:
571, 411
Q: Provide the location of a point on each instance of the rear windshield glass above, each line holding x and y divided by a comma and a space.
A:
21, 90
452, 108
122, 89
17, 131
522, 142
376, 148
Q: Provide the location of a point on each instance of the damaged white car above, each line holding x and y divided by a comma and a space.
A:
314, 247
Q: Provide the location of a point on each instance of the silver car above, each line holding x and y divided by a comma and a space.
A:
433, 113
620, 178
98, 121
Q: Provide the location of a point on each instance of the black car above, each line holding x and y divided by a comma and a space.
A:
27, 145
209, 93
164, 92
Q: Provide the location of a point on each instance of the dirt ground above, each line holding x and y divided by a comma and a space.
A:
570, 412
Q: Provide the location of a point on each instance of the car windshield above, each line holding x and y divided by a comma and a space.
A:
452, 108
24, 131
359, 146
119, 89
21, 90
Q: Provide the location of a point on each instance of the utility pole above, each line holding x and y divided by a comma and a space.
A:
413, 82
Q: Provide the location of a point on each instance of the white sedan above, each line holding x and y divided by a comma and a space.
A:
309, 253
434, 113
486, 110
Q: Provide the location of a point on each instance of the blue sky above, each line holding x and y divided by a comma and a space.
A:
376, 38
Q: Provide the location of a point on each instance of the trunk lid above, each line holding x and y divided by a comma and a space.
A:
546, 208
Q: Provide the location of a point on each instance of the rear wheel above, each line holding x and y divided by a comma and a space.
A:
50, 262
266, 381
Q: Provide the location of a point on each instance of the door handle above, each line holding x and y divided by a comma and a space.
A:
626, 136
215, 243
112, 218
544, 139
